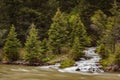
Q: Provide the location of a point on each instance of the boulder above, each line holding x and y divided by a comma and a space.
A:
77, 69
113, 68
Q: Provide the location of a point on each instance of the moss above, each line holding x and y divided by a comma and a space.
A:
67, 63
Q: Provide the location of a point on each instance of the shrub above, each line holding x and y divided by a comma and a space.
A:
117, 56
67, 63
104, 51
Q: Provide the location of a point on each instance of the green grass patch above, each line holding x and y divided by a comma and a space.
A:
67, 63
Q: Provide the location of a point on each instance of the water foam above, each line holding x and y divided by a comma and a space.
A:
90, 65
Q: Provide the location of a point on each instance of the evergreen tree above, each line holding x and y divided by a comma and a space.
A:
32, 46
57, 33
112, 31
109, 42
12, 45
117, 55
99, 21
76, 50
44, 46
79, 30
2, 33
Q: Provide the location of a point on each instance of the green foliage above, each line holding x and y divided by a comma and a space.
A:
76, 51
109, 42
2, 34
48, 58
67, 63
79, 30
57, 33
107, 61
79, 24
117, 56
12, 46
99, 21
103, 51
32, 46
44, 46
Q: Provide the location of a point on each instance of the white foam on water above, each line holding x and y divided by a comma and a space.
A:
20, 69
90, 65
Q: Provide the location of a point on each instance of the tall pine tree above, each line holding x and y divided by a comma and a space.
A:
76, 50
32, 46
99, 21
57, 33
12, 45
79, 30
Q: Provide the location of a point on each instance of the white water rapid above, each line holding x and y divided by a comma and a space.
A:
90, 64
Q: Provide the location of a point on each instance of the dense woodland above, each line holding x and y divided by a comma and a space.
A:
48, 31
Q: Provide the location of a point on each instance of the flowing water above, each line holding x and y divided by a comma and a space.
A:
13, 72
90, 64
52, 72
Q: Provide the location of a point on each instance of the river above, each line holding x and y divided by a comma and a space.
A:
89, 69
89, 64
13, 72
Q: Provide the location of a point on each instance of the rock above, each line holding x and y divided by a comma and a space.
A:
6, 62
113, 68
76, 65
77, 69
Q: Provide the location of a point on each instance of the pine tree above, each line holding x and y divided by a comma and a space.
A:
99, 20
44, 46
79, 30
76, 50
117, 55
32, 46
2, 33
110, 40
57, 33
12, 45
111, 34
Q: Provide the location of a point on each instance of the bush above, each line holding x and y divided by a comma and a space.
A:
67, 63
46, 59
104, 51
117, 56
108, 61
77, 49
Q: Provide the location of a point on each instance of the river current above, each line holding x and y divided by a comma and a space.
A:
90, 64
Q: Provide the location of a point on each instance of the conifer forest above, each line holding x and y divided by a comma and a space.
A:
46, 32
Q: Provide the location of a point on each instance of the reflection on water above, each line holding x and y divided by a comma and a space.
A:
12, 72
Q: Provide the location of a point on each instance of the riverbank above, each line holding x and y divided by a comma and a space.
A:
24, 63
89, 63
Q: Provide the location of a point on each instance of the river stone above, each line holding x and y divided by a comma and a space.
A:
112, 68
76, 65
77, 69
